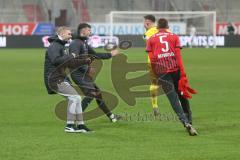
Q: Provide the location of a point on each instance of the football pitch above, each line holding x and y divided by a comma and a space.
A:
30, 130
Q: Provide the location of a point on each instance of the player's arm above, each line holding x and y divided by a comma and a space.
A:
99, 55
103, 55
183, 85
180, 62
179, 57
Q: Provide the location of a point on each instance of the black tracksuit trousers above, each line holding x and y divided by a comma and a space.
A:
169, 83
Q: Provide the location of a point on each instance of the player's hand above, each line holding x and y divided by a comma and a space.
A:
185, 89
114, 52
183, 74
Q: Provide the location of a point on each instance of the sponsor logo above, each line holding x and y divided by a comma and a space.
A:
26, 29
202, 41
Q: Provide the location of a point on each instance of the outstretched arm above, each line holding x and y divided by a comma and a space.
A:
99, 55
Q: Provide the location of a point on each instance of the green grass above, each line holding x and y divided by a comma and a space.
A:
29, 129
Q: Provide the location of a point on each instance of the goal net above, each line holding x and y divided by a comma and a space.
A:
195, 28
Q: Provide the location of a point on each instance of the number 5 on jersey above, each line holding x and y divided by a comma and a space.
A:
165, 43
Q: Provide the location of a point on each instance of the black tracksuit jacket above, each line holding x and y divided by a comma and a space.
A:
57, 59
80, 47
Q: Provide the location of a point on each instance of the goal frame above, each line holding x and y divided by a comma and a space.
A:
213, 13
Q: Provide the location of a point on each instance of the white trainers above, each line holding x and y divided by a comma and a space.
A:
82, 129
69, 128
114, 118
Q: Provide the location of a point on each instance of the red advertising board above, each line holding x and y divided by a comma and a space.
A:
222, 28
17, 28
25, 29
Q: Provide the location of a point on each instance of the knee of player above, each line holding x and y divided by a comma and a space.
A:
153, 87
78, 98
95, 94
75, 98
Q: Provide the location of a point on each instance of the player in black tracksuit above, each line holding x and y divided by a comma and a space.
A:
57, 62
82, 77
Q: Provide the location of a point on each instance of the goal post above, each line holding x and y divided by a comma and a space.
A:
179, 21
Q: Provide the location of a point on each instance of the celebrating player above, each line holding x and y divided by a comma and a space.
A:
151, 29
166, 62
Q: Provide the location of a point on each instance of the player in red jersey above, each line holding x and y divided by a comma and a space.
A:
167, 64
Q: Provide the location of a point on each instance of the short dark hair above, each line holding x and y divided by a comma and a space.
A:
81, 26
162, 23
150, 17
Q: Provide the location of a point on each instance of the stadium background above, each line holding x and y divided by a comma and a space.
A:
29, 128
38, 18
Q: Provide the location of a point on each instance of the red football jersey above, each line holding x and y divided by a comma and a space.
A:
163, 46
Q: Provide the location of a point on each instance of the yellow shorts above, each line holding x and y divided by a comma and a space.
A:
153, 77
